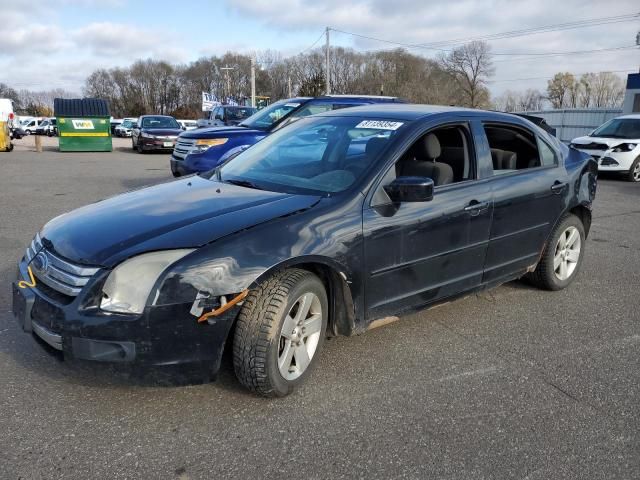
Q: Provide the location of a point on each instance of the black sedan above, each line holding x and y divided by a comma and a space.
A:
333, 225
155, 133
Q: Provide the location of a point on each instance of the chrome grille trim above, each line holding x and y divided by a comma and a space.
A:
34, 247
70, 267
183, 147
61, 275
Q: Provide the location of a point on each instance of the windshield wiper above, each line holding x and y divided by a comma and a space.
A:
243, 183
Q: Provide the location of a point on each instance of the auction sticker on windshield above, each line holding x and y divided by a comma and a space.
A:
379, 124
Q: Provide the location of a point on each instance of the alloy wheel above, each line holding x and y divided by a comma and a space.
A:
567, 253
636, 172
299, 336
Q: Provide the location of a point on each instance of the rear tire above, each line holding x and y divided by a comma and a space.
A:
279, 332
633, 175
562, 257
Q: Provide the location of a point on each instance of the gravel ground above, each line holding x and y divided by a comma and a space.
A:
510, 383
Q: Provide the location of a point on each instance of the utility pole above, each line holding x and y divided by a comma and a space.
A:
226, 68
253, 81
289, 85
327, 73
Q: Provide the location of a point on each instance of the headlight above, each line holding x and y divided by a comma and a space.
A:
146, 135
624, 147
129, 284
206, 143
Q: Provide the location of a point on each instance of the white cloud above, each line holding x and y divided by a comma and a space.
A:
38, 46
419, 21
106, 38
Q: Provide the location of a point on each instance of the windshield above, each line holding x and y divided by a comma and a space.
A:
240, 113
127, 124
265, 118
619, 128
318, 155
159, 122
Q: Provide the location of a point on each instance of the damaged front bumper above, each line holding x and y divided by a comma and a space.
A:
161, 335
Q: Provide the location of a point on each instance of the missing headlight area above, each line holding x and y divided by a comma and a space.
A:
217, 305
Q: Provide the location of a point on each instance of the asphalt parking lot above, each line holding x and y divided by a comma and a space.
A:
510, 383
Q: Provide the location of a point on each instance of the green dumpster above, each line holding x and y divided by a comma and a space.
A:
84, 124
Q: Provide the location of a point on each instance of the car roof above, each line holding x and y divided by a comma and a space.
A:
408, 112
632, 116
357, 98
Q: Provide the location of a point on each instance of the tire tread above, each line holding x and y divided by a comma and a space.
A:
256, 327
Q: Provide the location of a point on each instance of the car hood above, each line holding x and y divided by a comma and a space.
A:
610, 142
185, 213
163, 132
215, 132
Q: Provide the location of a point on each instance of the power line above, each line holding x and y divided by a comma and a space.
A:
421, 46
560, 54
312, 45
591, 22
549, 78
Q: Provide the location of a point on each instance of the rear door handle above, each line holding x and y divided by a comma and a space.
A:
475, 207
558, 187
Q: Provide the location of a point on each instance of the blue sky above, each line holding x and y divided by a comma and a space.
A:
57, 44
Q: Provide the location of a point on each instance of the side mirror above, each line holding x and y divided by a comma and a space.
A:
410, 189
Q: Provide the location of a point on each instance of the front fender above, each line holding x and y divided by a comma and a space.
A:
327, 237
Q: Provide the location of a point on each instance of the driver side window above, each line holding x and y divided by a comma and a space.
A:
445, 155
442, 154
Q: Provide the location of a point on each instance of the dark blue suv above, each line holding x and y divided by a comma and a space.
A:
203, 149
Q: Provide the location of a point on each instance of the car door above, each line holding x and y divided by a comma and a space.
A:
420, 252
527, 201
135, 131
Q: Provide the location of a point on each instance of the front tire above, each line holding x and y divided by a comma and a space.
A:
562, 256
279, 333
634, 172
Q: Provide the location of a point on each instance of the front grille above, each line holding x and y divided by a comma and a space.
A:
592, 146
55, 272
183, 147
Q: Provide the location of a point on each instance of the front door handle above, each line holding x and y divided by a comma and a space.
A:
558, 187
475, 207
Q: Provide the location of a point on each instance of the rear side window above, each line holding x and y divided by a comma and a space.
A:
547, 155
514, 148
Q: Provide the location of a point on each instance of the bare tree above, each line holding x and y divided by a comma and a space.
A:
470, 67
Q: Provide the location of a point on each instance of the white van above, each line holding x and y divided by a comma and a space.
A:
6, 112
30, 126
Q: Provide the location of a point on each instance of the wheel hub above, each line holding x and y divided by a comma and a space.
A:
299, 336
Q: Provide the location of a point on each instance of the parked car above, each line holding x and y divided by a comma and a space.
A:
48, 127
226, 115
188, 124
125, 128
31, 125
114, 122
155, 132
330, 226
615, 145
203, 149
